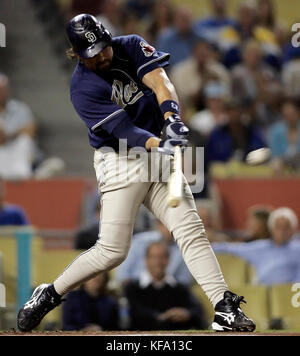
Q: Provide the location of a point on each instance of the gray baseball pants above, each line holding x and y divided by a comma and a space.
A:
120, 201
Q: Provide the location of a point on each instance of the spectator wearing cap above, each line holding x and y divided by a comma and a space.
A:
276, 260
191, 75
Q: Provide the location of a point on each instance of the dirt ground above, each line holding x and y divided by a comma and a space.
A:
147, 333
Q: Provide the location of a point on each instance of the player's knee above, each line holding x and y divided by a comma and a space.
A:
110, 256
116, 259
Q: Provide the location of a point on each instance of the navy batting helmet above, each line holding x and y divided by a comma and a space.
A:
87, 35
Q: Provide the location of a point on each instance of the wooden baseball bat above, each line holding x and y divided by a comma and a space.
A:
175, 180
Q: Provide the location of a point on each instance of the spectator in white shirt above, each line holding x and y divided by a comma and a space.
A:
17, 129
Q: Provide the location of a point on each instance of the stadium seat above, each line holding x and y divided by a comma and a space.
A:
235, 269
282, 298
251, 275
49, 264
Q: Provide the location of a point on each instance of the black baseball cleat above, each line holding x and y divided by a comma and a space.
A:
43, 300
229, 316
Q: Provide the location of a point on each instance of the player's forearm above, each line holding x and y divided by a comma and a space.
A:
159, 82
166, 91
135, 136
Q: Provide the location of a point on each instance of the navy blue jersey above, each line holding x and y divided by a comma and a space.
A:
104, 101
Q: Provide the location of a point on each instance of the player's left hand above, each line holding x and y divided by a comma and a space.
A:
175, 128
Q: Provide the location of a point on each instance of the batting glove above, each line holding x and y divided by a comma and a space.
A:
175, 128
168, 146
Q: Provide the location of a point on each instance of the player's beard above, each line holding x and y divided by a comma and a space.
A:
104, 67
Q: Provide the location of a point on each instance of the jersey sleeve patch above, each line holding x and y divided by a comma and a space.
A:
147, 49
144, 56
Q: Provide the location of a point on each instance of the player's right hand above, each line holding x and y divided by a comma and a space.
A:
168, 146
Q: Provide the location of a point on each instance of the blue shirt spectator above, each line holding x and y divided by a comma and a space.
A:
290, 52
91, 308
284, 137
211, 26
279, 141
180, 47
273, 264
134, 264
275, 260
12, 215
179, 39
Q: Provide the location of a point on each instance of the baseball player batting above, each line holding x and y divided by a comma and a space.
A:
121, 91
